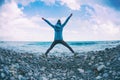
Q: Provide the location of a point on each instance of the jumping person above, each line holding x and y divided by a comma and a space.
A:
58, 28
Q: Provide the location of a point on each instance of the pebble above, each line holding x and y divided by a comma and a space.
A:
98, 77
105, 75
119, 58
108, 63
44, 78
114, 73
101, 67
81, 70
93, 57
20, 77
2, 75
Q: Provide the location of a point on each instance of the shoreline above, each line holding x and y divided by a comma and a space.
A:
94, 65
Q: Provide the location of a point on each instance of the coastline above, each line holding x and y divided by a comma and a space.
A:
94, 65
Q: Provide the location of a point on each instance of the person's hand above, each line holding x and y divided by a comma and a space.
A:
71, 14
43, 18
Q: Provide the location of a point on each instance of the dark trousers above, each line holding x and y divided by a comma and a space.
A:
59, 41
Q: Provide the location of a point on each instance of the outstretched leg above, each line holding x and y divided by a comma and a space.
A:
65, 44
52, 45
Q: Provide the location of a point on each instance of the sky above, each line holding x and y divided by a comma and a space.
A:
20, 20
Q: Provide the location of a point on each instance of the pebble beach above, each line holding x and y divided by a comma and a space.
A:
93, 65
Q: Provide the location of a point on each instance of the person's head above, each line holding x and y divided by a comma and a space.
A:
59, 22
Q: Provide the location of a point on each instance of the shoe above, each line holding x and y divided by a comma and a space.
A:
75, 54
44, 55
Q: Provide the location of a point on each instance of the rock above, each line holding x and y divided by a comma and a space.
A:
20, 77
43, 68
54, 79
44, 78
30, 73
12, 78
81, 70
105, 75
93, 57
3, 75
6, 70
88, 71
114, 73
108, 63
98, 77
1, 59
90, 63
50, 75
119, 58
101, 67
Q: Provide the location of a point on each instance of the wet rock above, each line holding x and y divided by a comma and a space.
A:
20, 77
119, 58
2, 75
114, 73
100, 67
108, 63
93, 57
44, 78
98, 77
105, 75
81, 70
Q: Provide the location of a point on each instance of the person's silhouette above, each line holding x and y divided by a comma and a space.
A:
58, 28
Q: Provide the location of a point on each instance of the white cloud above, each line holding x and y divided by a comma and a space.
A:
14, 25
49, 2
72, 4
24, 2
103, 24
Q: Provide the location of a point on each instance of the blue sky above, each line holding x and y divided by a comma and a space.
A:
20, 20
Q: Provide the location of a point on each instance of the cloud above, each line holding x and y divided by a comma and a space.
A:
16, 26
104, 23
24, 2
72, 4
49, 2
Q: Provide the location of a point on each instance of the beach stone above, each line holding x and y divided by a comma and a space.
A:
44, 78
81, 70
3, 75
20, 77
108, 63
119, 58
6, 70
93, 57
1, 59
54, 79
30, 73
105, 75
98, 77
114, 73
50, 75
101, 67
12, 78
90, 63
43, 68
88, 71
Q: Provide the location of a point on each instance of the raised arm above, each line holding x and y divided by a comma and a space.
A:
66, 20
48, 22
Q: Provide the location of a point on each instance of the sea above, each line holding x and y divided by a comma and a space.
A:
37, 47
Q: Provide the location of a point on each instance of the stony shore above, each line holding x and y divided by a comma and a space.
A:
94, 65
